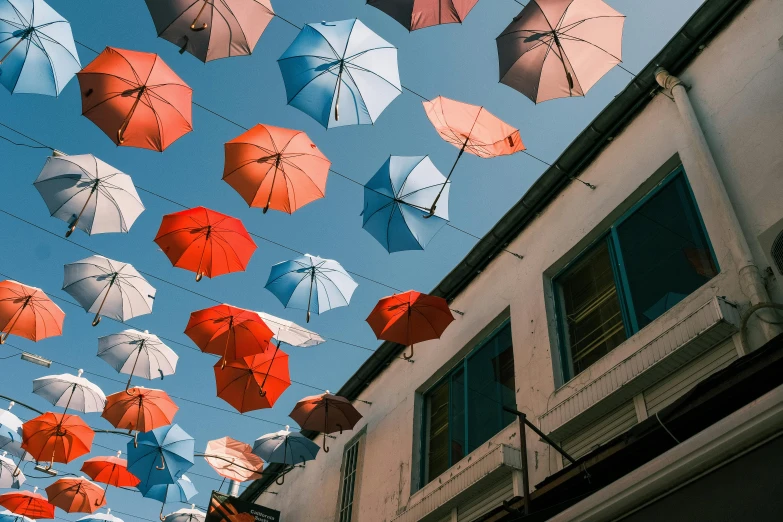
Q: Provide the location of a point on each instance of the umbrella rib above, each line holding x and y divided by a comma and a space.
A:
244, 36
572, 38
308, 83
48, 58
407, 176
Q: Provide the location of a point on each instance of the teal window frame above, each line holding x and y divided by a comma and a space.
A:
624, 293
462, 365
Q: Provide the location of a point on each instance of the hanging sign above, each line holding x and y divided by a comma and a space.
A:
223, 508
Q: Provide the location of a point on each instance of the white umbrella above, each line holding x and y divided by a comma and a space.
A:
137, 353
70, 391
88, 194
11, 434
10, 475
8, 516
107, 287
291, 333
186, 515
100, 517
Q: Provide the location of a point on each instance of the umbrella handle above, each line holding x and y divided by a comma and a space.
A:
326, 449
408, 357
203, 25
280, 480
310, 298
337, 97
20, 40
99, 503
262, 392
161, 517
341, 428
126, 122
136, 440
162, 463
76, 221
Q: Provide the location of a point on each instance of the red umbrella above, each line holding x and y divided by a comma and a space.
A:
136, 99
112, 471
205, 242
326, 413
253, 383
410, 318
28, 312
27, 503
76, 495
139, 409
229, 331
56, 437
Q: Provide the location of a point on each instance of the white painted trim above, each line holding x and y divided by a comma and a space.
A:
641, 407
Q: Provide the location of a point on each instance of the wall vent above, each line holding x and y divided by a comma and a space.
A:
771, 240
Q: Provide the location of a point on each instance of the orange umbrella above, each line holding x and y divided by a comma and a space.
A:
112, 471
253, 383
229, 331
56, 437
233, 459
205, 242
410, 318
76, 495
326, 413
471, 129
276, 168
28, 312
27, 503
139, 409
136, 99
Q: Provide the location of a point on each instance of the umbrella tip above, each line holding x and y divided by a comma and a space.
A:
328, 392
287, 427
11, 405
119, 453
80, 372
108, 511
146, 331
35, 489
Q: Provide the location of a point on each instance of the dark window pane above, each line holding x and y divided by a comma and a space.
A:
438, 432
593, 318
483, 397
457, 416
504, 371
664, 251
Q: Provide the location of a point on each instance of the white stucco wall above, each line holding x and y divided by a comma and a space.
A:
737, 90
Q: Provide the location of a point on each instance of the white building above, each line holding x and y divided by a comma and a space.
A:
628, 297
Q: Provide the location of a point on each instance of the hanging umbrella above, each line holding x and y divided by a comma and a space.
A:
326, 413
10, 475
418, 14
253, 383
181, 491
107, 287
76, 495
27, 503
211, 30
322, 284
229, 332
112, 471
162, 455
397, 200
137, 353
70, 391
285, 447
559, 49
289, 332
8, 516
56, 437
471, 129
28, 312
186, 515
37, 51
205, 242
328, 58
88, 194
410, 318
11, 434
139, 409
100, 517
272, 167
233, 459
136, 99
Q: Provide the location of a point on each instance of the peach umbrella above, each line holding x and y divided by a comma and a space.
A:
27, 503
56, 437
233, 459
228, 331
136, 99
253, 383
139, 409
28, 312
76, 495
557, 49
419, 14
471, 129
272, 167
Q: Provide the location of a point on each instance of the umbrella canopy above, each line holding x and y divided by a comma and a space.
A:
272, 167
233, 459
211, 30
37, 51
311, 283
162, 455
140, 409
289, 332
10, 475
136, 99
328, 58
70, 391
100, 517
8, 516
397, 200
88, 194
559, 49
56, 437
205, 242
137, 353
228, 331
112, 471
27, 503
253, 383
28, 312
326, 413
181, 491
418, 14
285, 447
186, 515
410, 318
107, 287
11, 434
76, 495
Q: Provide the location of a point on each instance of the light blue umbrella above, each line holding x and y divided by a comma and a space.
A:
100, 517
161, 457
7, 516
340, 73
37, 51
311, 283
11, 434
285, 447
397, 200
181, 491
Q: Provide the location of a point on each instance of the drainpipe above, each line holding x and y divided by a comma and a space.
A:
233, 490
750, 278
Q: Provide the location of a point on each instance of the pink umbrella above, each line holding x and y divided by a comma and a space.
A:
425, 13
560, 48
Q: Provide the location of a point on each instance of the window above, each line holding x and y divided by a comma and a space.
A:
465, 408
348, 485
651, 259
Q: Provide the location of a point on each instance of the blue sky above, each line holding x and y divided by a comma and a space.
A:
455, 61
